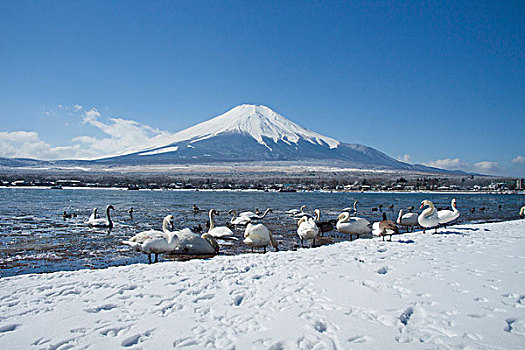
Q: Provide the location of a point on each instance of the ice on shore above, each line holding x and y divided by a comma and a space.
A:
464, 287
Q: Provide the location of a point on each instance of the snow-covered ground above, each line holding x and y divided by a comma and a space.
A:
463, 288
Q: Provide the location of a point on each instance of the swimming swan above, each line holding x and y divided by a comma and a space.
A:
102, 222
352, 209
219, 232
254, 216
238, 220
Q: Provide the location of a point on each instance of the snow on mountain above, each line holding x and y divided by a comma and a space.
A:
257, 121
254, 133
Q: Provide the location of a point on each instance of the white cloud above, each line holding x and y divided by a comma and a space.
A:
448, 164
405, 158
518, 160
487, 166
121, 136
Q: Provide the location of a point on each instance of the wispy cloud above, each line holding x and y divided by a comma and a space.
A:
487, 166
518, 160
121, 136
405, 158
448, 164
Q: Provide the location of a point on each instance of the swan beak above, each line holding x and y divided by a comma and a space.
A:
422, 205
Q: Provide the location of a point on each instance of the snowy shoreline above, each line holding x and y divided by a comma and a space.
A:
464, 287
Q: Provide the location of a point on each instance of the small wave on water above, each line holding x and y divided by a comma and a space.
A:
34, 236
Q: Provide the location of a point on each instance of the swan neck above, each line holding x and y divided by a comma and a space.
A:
265, 213
165, 226
429, 210
345, 217
212, 224
108, 216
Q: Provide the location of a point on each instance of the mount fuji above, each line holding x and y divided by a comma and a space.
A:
256, 133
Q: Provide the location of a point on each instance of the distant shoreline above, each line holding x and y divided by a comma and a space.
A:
256, 190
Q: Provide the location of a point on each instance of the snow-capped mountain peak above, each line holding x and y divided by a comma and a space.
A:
256, 121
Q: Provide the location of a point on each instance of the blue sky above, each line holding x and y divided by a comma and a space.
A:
441, 83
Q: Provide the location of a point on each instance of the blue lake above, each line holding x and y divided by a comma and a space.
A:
34, 237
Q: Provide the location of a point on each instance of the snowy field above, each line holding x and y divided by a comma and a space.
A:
463, 288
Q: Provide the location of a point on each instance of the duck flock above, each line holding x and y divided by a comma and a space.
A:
191, 241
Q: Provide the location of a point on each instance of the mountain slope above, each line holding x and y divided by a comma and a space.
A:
254, 133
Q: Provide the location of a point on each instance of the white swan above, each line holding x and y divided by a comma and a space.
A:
429, 217
302, 213
446, 216
409, 220
254, 216
102, 222
93, 215
155, 242
256, 236
352, 209
522, 212
238, 220
193, 244
307, 229
293, 212
219, 232
352, 225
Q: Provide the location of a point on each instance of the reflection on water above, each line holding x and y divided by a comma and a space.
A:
34, 237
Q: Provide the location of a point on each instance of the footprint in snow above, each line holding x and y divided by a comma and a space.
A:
357, 339
383, 270
135, 339
238, 299
9, 328
101, 308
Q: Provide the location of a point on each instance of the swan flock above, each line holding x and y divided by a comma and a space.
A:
257, 235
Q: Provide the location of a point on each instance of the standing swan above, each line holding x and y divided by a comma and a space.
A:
102, 222
446, 216
307, 229
409, 220
155, 242
256, 236
352, 225
429, 217
241, 220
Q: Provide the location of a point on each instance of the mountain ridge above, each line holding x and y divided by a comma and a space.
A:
244, 134
256, 133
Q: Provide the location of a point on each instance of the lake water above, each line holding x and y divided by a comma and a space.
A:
34, 237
